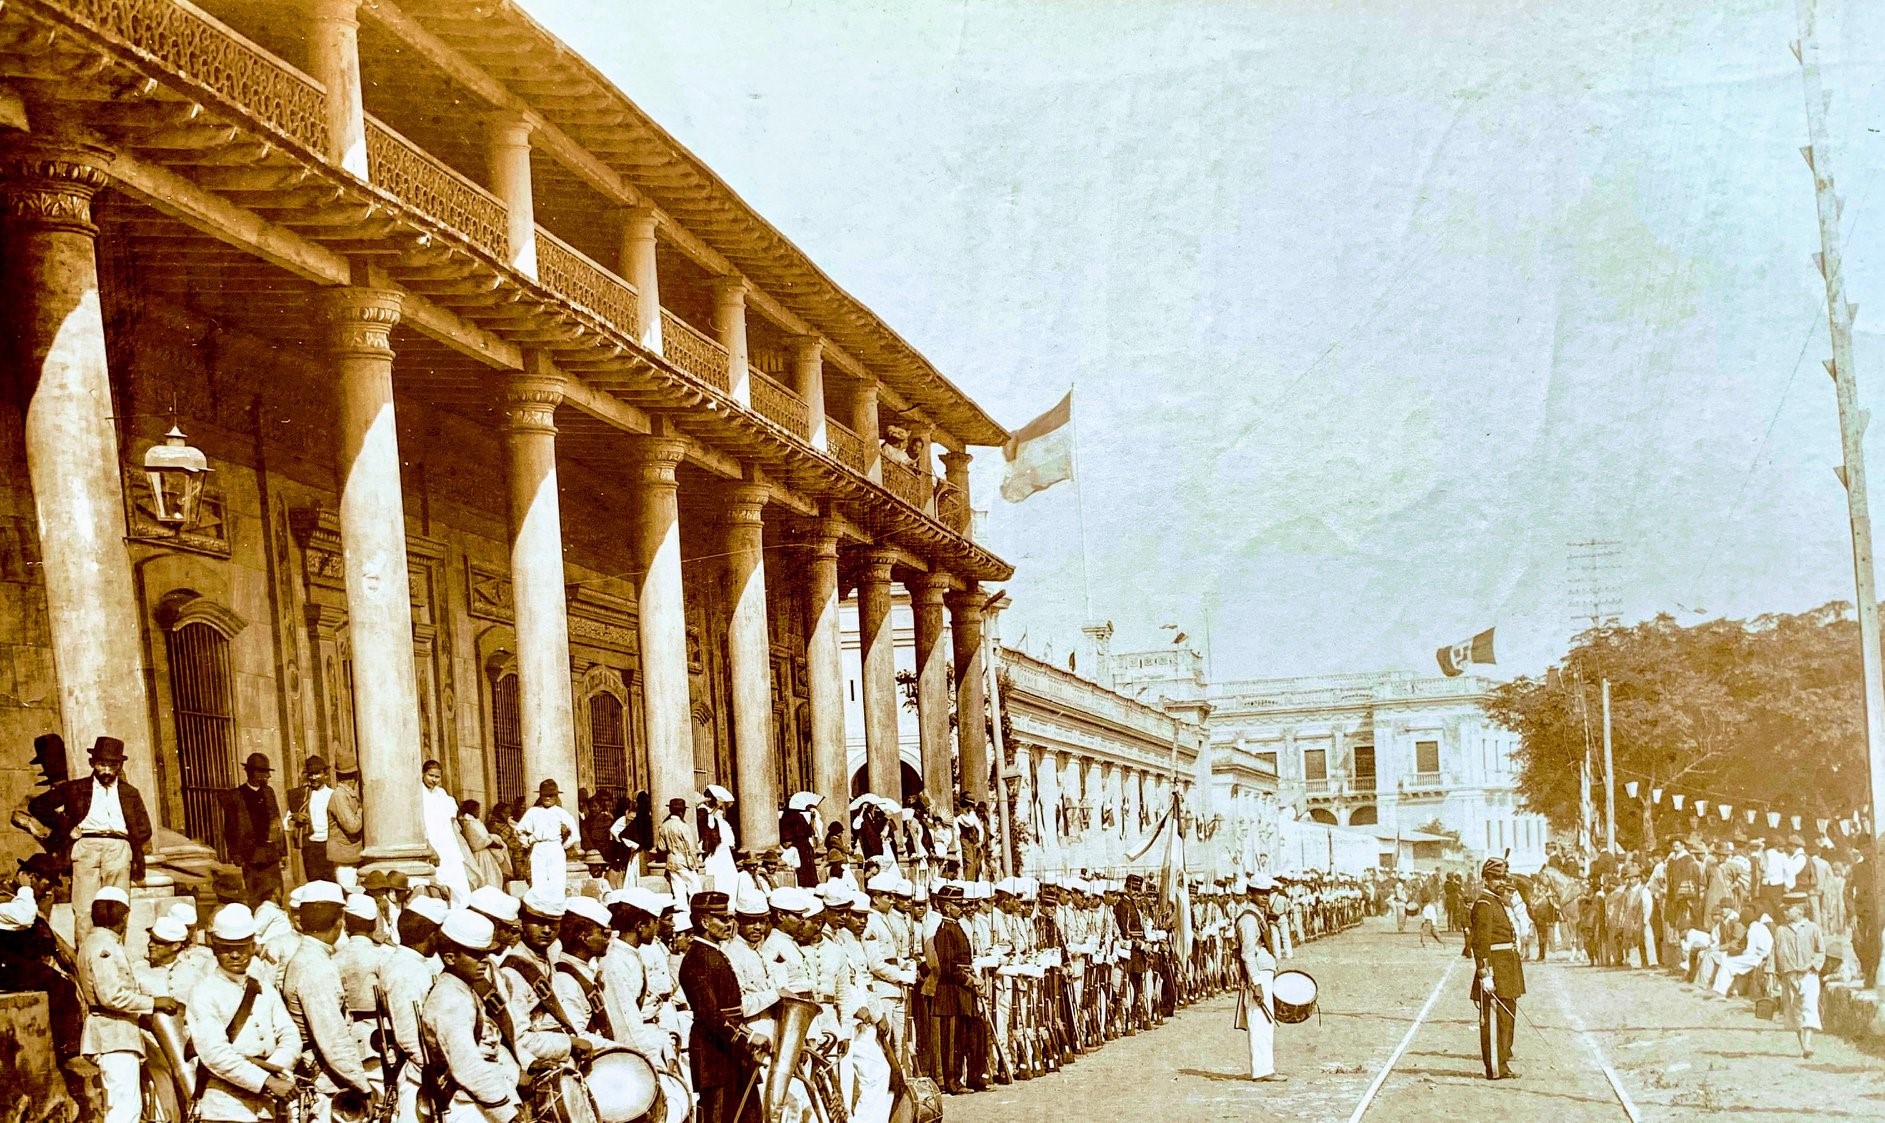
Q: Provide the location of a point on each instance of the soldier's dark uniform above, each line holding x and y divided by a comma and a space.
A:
1494, 946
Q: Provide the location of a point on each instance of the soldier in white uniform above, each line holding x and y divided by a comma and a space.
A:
246, 1044
113, 1001
524, 974
316, 1000
1256, 1004
575, 980
406, 974
357, 957
886, 941
167, 937
866, 1067
466, 1029
632, 1006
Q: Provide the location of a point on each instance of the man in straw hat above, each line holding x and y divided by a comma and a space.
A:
1499, 969
98, 824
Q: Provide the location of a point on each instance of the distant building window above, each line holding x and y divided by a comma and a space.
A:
1268, 760
1364, 768
1426, 756
1315, 764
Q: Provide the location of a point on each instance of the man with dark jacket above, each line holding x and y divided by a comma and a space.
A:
721, 1051
1499, 970
98, 824
252, 834
953, 1005
327, 827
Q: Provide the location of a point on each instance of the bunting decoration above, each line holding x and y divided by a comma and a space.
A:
1655, 796
1676, 798
1773, 820
1727, 811
1629, 788
1698, 804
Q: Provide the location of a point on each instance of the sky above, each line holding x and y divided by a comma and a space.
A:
1369, 307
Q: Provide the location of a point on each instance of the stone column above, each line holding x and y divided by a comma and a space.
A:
878, 660
537, 582
956, 473
864, 423
808, 378
508, 148
661, 619
58, 331
932, 690
379, 596
1108, 850
824, 674
1047, 787
729, 313
638, 267
749, 658
965, 633
334, 60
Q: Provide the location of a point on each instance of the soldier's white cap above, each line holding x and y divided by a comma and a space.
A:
860, 902
112, 893
636, 896
361, 907
169, 930
1263, 883
589, 909
794, 900
432, 908
322, 893
184, 911
884, 881
539, 903
233, 924
752, 904
683, 922
295, 895
494, 903
469, 929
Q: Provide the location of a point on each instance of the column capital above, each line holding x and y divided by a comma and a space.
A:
823, 535
808, 348
966, 601
360, 321
641, 221
729, 290
52, 184
955, 460
877, 565
657, 460
530, 403
509, 127
746, 505
336, 11
929, 589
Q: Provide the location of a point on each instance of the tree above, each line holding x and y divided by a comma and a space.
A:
1762, 713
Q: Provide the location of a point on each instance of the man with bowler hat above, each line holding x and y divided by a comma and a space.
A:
252, 835
99, 825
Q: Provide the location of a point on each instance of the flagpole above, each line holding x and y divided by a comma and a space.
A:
1079, 504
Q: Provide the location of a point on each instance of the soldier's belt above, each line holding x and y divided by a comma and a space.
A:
1503, 947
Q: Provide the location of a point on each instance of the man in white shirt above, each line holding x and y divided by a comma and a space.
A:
246, 1041
1760, 946
552, 834
100, 823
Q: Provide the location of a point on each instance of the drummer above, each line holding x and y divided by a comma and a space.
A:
1256, 1005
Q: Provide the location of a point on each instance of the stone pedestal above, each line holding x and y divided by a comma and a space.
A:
379, 595
824, 674
662, 621
878, 656
749, 658
72, 454
542, 614
932, 691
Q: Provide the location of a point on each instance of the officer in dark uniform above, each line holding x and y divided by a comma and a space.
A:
721, 1050
1499, 971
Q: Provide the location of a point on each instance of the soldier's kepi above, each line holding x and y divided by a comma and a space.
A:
1499, 970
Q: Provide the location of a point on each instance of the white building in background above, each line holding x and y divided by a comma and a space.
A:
1392, 752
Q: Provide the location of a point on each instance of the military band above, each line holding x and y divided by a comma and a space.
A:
833, 1002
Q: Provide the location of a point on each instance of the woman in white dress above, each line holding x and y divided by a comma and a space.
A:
716, 838
440, 812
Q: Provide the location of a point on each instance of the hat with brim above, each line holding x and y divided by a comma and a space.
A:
468, 929
257, 763
107, 750
233, 924
548, 787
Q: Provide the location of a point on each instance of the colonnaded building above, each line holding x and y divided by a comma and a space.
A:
1391, 752
529, 446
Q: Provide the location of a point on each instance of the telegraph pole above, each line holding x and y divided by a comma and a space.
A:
1610, 781
1852, 419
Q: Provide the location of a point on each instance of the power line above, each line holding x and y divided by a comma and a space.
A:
1594, 589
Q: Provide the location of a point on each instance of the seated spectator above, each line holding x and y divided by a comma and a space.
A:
1760, 946
1730, 938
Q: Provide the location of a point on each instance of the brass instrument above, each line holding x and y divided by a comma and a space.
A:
795, 1017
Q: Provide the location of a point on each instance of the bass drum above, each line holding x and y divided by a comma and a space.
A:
1294, 993
622, 1085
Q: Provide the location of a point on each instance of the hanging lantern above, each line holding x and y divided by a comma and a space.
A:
1629, 788
1773, 820
1677, 800
1655, 796
176, 470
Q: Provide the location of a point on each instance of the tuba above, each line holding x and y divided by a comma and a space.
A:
795, 1020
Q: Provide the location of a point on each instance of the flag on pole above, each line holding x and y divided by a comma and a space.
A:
1040, 453
1455, 657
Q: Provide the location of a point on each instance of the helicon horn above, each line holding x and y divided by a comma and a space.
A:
795, 1020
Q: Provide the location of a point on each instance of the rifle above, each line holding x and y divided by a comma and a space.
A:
389, 1049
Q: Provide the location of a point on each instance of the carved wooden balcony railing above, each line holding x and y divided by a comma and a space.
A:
198, 47
693, 352
781, 405
846, 447
428, 185
952, 510
906, 484
565, 271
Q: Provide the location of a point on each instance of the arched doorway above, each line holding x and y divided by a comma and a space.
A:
912, 781
1322, 815
1364, 816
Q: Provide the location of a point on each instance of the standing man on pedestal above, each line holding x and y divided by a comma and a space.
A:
99, 824
252, 836
551, 832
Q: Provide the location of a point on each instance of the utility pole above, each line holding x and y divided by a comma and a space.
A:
1852, 419
1595, 564
1610, 781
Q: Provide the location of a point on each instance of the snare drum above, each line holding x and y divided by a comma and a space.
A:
623, 1085
1294, 993
560, 1096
